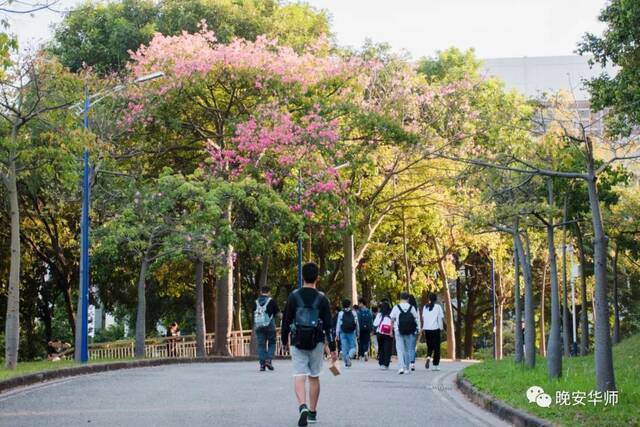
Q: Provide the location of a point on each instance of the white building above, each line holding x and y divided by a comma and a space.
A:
535, 76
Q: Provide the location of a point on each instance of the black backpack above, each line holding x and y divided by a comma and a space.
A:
348, 322
306, 331
406, 322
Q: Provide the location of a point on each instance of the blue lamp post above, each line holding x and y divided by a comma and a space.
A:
82, 335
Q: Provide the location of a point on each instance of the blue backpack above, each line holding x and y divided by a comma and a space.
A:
365, 320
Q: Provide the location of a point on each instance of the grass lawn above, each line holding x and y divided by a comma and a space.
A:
509, 382
31, 367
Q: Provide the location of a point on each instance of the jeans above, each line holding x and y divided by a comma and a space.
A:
364, 340
385, 343
432, 336
412, 348
266, 344
403, 348
348, 345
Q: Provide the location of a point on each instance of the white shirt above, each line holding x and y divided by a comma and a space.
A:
339, 322
432, 320
395, 315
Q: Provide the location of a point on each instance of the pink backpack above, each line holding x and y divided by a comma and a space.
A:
385, 326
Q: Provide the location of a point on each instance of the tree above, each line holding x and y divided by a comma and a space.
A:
27, 92
616, 47
102, 35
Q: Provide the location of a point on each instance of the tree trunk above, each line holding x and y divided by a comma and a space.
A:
405, 256
499, 312
12, 321
529, 322
459, 315
448, 316
141, 313
238, 289
518, 356
566, 321
210, 300
616, 309
543, 334
349, 268
201, 331
584, 317
605, 378
224, 307
66, 294
264, 270
554, 348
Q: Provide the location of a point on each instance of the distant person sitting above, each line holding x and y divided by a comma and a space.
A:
348, 329
173, 332
264, 312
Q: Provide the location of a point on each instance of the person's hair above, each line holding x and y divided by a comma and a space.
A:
385, 308
374, 309
346, 303
173, 324
413, 302
356, 307
404, 296
362, 301
432, 300
310, 272
265, 289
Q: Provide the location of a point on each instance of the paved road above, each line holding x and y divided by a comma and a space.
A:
236, 394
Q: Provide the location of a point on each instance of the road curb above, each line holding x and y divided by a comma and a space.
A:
54, 374
506, 412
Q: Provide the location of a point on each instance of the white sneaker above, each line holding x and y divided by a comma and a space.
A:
435, 368
400, 371
413, 366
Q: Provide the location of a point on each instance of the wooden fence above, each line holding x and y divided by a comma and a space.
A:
185, 346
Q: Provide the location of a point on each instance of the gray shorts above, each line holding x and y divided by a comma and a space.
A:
307, 362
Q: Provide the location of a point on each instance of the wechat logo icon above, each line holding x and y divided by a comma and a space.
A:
536, 394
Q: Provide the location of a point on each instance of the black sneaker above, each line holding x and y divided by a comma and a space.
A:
426, 365
262, 368
269, 365
304, 414
313, 417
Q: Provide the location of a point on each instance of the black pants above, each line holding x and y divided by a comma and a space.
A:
385, 344
433, 344
364, 341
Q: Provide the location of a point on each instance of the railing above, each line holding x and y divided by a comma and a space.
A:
184, 346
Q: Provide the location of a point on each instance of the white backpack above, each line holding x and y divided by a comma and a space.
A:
260, 317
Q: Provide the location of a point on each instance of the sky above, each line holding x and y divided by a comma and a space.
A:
494, 28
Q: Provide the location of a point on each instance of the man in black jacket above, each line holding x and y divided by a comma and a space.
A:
307, 317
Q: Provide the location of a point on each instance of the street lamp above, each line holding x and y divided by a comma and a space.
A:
81, 338
575, 272
344, 165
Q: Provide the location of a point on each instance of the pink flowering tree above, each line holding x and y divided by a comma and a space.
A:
246, 109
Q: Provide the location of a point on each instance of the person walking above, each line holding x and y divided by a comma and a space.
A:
414, 338
347, 327
374, 342
384, 334
406, 322
307, 318
433, 322
365, 324
264, 312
